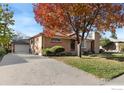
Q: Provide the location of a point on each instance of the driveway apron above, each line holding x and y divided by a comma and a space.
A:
26, 69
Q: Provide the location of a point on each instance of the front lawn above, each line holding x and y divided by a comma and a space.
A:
113, 56
100, 67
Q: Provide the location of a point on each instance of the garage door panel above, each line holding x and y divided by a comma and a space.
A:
21, 48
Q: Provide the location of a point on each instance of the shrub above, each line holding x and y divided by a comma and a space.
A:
101, 51
2, 51
8, 50
57, 49
47, 51
104, 42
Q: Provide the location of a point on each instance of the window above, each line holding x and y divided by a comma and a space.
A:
55, 40
91, 35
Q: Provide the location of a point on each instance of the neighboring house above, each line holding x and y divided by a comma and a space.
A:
20, 46
116, 45
40, 42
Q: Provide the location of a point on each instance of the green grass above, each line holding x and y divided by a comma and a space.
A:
100, 67
113, 56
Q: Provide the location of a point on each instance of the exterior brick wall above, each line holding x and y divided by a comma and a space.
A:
40, 42
64, 42
36, 45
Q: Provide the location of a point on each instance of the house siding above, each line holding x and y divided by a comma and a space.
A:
36, 45
64, 42
41, 42
87, 46
96, 42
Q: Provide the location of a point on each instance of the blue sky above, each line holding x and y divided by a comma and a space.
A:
25, 22
24, 19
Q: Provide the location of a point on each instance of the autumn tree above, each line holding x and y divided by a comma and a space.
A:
6, 20
79, 18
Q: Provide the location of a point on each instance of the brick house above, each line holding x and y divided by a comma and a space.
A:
40, 42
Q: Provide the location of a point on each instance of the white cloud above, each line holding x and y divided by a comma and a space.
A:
26, 25
25, 20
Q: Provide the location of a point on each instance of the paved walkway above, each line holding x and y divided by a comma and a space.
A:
24, 69
116, 81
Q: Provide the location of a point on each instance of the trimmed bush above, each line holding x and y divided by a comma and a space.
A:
57, 49
2, 51
47, 51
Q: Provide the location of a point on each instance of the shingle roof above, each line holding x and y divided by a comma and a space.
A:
67, 36
117, 40
21, 41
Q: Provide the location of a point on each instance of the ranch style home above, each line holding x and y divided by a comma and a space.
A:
40, 42
115, 45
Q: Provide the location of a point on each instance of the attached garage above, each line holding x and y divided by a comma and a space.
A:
20, 46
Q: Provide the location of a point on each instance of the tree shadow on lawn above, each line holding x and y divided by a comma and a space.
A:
109, 56
120, 59
74, 56
12, 60
94, 56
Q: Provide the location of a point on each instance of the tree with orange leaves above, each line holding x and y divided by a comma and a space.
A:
79, 18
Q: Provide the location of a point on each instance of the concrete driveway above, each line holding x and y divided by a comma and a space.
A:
25, 69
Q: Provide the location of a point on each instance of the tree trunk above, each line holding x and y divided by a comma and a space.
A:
79, 50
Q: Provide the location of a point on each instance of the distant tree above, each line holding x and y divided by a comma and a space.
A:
107, 44
79, 18
113, 35
6, 20
104, 41
19, 35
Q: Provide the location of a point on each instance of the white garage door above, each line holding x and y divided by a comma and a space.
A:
21, 48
